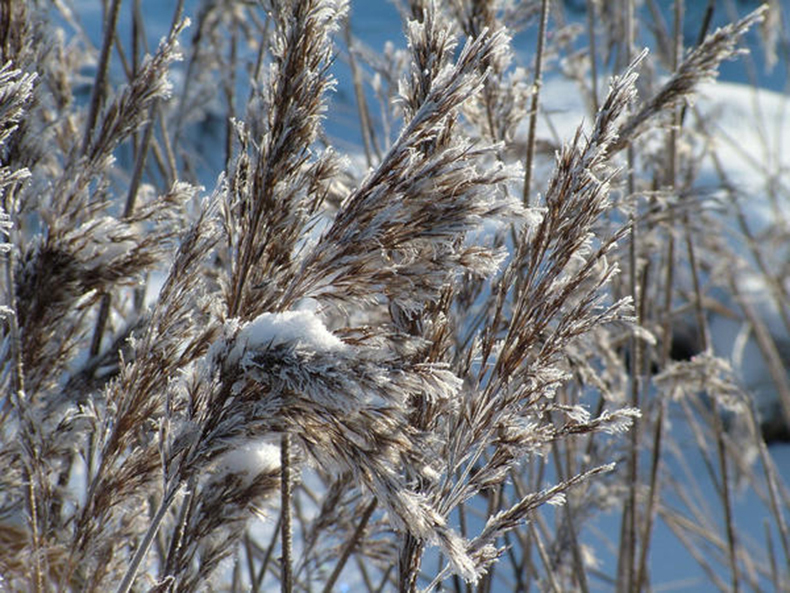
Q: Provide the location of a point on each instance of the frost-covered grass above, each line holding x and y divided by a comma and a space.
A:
463, 355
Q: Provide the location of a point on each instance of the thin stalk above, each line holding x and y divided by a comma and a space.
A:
593, 52
769, 547
627, 556
18, 373
131, 198
578, 563
364, 572
267, 556
671, 179
286, 583
110, 24
145, 544
197, 44
544, 557
462, 525
180, 528
516, 565
170, 158
660, 32
230, 92
171, 175
703, 31
535, 102
771, 480
652, 498
349, 547
362, 106
700, 313
409, 564
535, 483
679, 527
137, 34
301, 522
726, 498
702, 442
494, 504
628, 550
101, 323
724, 491
139, 165
19, 402
698, 524
385, 579
31, 498
235, 578
128, 69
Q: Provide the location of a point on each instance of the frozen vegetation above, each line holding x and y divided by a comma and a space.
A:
428, 295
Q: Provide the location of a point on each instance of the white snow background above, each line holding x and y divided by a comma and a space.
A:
749, 121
